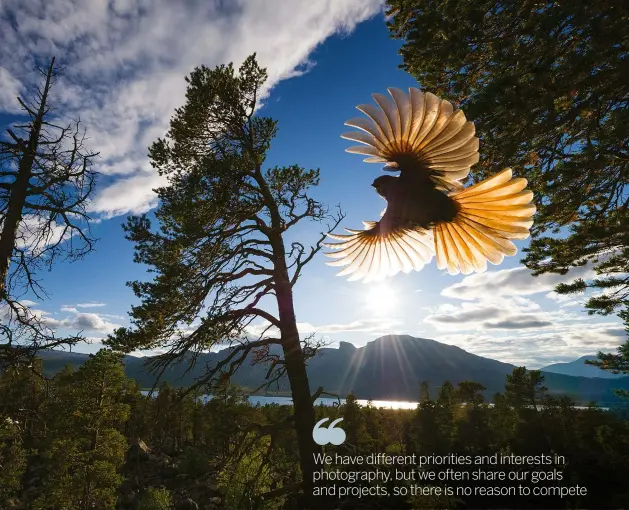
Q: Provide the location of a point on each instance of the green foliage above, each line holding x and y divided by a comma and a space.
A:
548, 89
225, 449
225, 415
86, 449
194, 463
353, 422
433, 426
615, 363
155, 499
470, 392
249, 475
79, 475
525, 388
22, 389
12, 459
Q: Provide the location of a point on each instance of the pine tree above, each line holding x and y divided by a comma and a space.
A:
86, 448
473, 426
24, 392
424, 428
13, 457
525, 388
470, 392
614, 363
354, 423
155, 499
445, 416
547, 85
220, 256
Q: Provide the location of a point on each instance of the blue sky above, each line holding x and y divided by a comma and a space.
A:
125, 66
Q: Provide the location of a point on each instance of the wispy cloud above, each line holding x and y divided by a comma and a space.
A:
10, 88
374, 326
518, 281
492, 313
497, 314
368, 326
90, 305
126, 61
537, 348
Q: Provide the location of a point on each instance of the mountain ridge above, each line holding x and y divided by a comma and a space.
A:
578, 368
388, 368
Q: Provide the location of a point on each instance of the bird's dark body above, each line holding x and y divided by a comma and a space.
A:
413, 201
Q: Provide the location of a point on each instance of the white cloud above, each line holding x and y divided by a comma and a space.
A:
520, 281
538, 348
90, 305
28, 303
112, 316
371, 326
93, 322
10, 89
77, 321
519, 322
261, 329
492, 313
575, 300
492, 317
82, 321
93, 340
564, 300
511, 282
126, 61
374, 326
134, 194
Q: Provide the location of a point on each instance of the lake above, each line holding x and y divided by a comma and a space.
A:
324, 401
331, 402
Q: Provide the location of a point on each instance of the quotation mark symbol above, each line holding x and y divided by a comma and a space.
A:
323, 436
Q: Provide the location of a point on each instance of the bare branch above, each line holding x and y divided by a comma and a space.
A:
43, 214
300, 262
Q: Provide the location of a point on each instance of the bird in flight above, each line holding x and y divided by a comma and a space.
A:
429, 212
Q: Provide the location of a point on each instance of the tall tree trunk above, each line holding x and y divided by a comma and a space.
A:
298, 378
19, 188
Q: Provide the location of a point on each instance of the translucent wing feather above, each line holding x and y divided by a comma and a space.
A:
491, 213
370, 255
420, 126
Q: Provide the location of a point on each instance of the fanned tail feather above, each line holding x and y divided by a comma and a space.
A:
418, 126
371, 256
491, 213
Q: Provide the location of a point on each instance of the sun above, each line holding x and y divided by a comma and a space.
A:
381, 299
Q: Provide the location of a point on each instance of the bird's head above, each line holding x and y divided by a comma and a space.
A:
384, 184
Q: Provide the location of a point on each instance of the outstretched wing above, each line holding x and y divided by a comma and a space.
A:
491, 213
420, 127
373, 254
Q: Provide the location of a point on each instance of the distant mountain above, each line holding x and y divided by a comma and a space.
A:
388, 368
578, 368
54, 361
